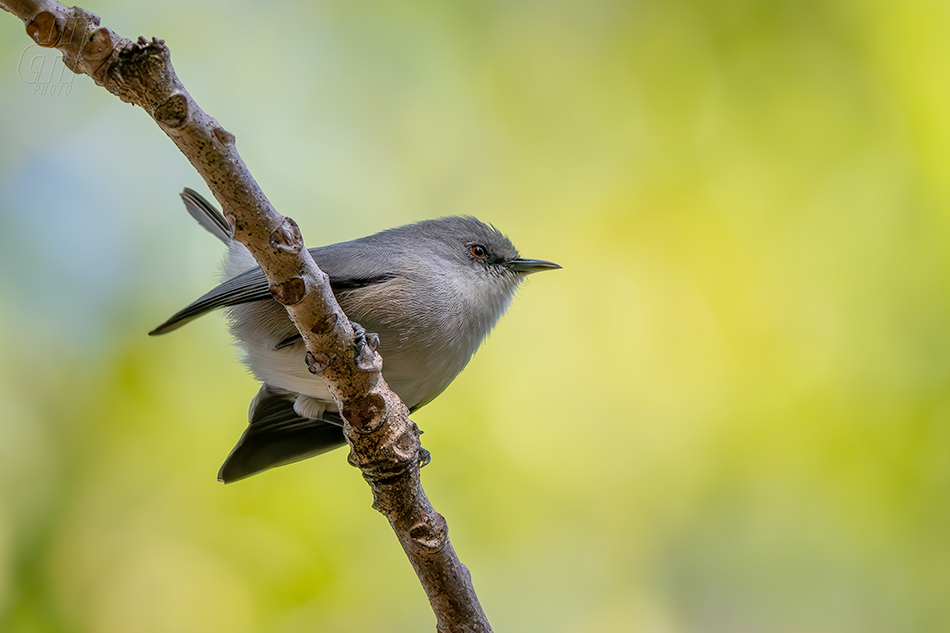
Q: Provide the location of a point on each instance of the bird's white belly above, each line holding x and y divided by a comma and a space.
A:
287, 369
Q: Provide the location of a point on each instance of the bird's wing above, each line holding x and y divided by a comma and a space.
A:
277, 435
252, 286
207, 215
246, 287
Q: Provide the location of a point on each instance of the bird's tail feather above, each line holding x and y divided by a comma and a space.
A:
277, 435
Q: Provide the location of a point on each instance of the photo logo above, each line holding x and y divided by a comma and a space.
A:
43, 68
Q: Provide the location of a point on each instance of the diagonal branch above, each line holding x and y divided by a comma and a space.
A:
384, 442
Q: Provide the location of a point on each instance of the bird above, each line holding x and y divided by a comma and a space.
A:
430, 291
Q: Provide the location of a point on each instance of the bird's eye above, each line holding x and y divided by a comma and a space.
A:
478, 251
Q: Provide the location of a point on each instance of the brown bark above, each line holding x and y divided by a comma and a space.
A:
384, 442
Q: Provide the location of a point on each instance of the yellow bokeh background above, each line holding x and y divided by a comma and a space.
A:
729, 412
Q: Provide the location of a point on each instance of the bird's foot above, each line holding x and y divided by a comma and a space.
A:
424, 457
362, 338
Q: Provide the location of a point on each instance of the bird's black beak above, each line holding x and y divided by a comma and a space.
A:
528, 266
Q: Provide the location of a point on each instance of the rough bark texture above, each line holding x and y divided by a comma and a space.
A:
384, 443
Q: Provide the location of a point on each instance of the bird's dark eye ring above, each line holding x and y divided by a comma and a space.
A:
478, 251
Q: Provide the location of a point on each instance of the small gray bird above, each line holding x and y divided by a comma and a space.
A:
431, 291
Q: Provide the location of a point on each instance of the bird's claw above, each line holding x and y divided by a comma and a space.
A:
362, 338
424, 457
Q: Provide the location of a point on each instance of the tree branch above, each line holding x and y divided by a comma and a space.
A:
384, 442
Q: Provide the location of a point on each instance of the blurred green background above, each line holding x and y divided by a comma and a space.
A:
728, 413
